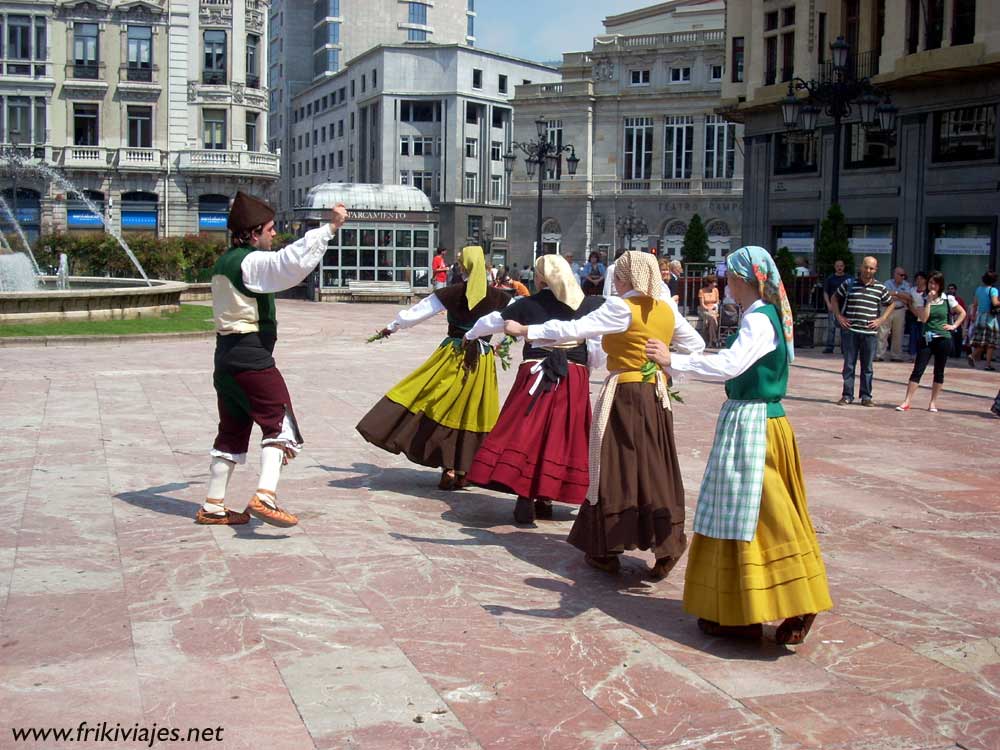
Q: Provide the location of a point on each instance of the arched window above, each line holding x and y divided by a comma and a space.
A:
85, 212
675, 228
213, 213
718, 228
139, 211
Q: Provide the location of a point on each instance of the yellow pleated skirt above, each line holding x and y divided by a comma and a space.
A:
780, 572
441, 390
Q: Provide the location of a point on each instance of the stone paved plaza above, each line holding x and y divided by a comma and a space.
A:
397, 616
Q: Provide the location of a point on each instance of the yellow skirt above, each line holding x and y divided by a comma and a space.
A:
446, 394
779, 573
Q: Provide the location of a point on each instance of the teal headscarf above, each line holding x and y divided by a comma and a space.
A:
755, 265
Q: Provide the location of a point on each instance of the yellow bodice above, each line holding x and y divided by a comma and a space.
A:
651, 319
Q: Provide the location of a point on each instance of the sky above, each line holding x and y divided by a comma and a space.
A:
543, 29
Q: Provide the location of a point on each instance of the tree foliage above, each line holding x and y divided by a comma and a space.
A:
833, 242
695, 249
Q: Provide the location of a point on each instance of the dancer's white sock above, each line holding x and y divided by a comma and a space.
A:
220, 471
271, 459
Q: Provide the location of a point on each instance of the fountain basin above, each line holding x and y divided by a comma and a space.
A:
91, 298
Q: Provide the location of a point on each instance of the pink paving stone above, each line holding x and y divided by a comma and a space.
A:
393, 600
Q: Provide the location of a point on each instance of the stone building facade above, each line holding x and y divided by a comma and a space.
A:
923, 196
435, 117
639, 110
156, 111
336, 31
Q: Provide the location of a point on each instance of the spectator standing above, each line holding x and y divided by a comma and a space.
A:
801, 267
917, 299
455, 277
830, 287
575, 267
676, 271
957, 336
936, 341
859, 318
439, 266
900, 290
986, 307
708, 310
593, 274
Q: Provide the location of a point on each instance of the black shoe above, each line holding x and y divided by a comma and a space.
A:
524, 511
543, 510
828, 351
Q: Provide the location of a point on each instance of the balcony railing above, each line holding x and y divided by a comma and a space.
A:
85, 156
139, 73
859, 65
692, 185
85, 71
139, 158
656, 41
213, 77
212, 160
29, 151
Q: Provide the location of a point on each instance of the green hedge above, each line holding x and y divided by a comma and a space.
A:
188, 258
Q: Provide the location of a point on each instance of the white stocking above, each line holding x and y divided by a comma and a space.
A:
220, 470
271, 458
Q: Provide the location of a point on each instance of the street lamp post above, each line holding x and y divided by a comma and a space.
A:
541, 155
631, 225
838, 97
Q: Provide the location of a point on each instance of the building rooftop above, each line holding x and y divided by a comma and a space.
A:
367, 197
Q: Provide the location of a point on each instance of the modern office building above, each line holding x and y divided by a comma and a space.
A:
335, 31
923, 196
155, 110
434, 117
639, 110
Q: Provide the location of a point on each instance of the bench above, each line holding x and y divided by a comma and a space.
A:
398, 290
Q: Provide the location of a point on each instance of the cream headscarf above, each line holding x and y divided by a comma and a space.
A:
474, 264
641, 271
557, 275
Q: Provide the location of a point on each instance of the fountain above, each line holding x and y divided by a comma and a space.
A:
27, 296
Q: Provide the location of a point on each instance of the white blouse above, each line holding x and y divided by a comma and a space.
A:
756, 338
265, 272
614, 316
426, 308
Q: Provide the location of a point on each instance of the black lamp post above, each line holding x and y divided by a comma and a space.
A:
541, 155
630, 225
838, 97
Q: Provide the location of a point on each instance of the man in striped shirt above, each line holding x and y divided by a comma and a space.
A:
857, 306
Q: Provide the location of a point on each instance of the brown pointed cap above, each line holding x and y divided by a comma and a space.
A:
248, 212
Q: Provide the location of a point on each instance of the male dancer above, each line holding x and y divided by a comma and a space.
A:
250, 389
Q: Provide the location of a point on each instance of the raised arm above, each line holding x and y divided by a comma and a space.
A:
265, 272
756, 338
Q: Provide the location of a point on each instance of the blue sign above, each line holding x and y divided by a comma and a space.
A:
27, 215
83, 219
212, 220
138, 219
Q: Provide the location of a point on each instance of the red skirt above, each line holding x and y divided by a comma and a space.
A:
542, 455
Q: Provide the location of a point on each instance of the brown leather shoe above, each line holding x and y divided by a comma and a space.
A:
229, 518
447, 480
274, 516
794, 630
662, 568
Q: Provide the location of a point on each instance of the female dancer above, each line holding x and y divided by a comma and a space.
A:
936, 341
635, 498
439, 414
754, 556
538, 448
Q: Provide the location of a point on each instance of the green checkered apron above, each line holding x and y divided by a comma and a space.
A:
729, 501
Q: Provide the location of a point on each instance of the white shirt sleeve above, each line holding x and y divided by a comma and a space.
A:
614, 316
596, 356
426, 308
757, 338
609, 281
265, 272
685, 337
486, 326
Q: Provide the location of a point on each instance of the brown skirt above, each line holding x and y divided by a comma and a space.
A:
394, 428
640, 495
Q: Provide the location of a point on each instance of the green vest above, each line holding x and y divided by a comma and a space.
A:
938, 318
767, 378
229, 265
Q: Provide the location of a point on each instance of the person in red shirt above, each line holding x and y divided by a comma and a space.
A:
439, 267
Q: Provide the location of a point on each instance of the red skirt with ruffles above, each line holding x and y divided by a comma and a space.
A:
543, 454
